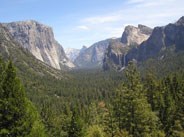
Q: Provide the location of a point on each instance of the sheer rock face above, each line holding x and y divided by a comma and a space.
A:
114, 55
24, 61
39, 40
131, 37
135, 35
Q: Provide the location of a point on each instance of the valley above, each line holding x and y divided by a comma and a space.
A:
129, 86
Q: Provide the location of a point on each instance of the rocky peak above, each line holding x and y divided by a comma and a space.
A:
144, 29
180, 21
135, 35
84, 47
39, 40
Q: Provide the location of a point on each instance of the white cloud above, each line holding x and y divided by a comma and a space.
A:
83, 27
152, 13
135, 12
102, 19
136, 1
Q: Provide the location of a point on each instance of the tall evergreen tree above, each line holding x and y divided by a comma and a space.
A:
151, 87
110, 123
92, 115
137, 116
16, 112
95, 131
171, 110
13, 110
76, 126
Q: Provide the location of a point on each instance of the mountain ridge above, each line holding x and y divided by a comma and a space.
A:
169, 37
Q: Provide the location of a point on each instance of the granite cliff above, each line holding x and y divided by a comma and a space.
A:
23, 59
131, 38
39, 40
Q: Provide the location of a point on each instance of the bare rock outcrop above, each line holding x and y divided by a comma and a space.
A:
132, 37
39, 40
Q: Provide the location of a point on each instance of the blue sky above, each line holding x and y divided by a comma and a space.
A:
84, 22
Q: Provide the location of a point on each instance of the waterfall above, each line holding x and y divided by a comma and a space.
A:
124, 63
120, 62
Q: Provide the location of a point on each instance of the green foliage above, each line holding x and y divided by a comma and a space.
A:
110, 104
133, 111
110, 123
76, 126
151, 87
139, 107
17, 115
95, 131
122, 133
13, 110
92, 114
37, 128
171, 113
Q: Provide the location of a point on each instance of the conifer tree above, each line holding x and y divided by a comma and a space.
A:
92, 115
151, 87
76, 126
137, 116
171, 111
18, 117
95, 131
110, 124
13, 110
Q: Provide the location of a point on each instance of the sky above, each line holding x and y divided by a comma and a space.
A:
83, 22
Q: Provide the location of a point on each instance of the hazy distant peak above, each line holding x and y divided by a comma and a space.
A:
84, 47
180, 21
114, 38
72, 53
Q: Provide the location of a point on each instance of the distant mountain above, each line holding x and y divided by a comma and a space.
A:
39, 40
92, 57
131, 37
82, 50
72, 53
